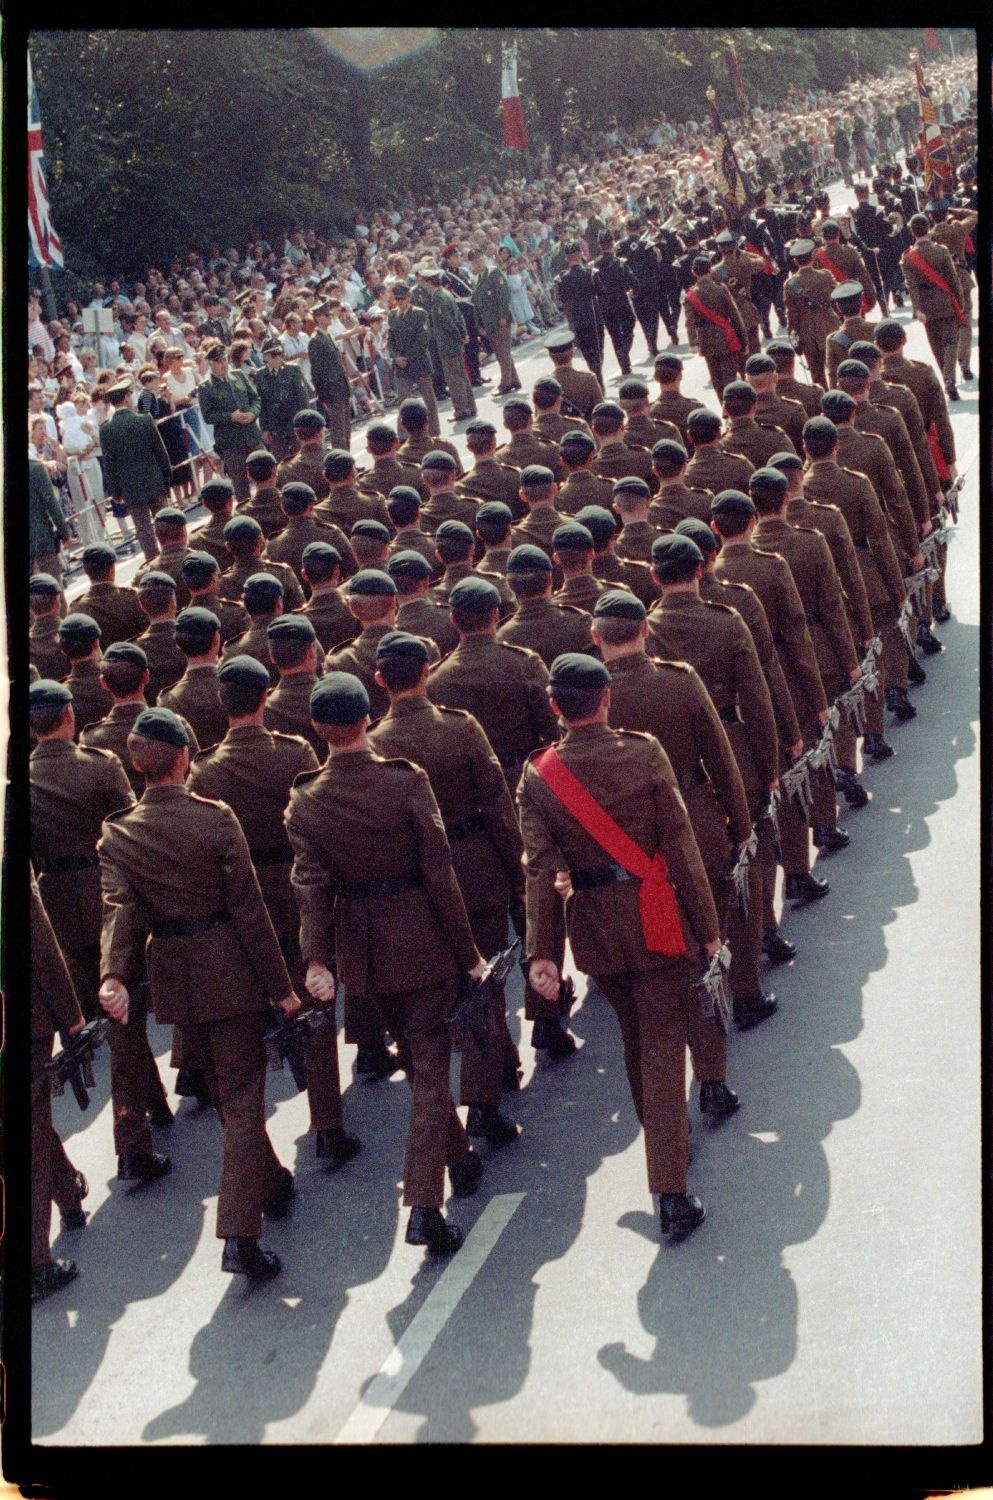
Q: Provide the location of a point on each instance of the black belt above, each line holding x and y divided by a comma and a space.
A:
585, 880
456, 831
189, 926
510, 759
729, 715
281, 854
66, 863
690, 779
362, 890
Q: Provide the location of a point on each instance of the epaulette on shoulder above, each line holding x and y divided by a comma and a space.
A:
441, 661
768, 552
574, 609
635, 734
210, 801
713, 604
856, 472
306, 776
400, 763
459, 713
289, 739
699, 490
637, 448
810, 530
98, 750
673, 666
122, 812
522, 650
203, 754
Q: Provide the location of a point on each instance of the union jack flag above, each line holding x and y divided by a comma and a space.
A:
44, 246
933, 149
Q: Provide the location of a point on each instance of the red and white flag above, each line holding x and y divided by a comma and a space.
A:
515, 132
44, 247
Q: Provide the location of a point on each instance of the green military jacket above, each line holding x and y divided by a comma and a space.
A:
47, 525
491, 298
282, 393
326, 369
447, 323
218, 399
410, 335
136, 465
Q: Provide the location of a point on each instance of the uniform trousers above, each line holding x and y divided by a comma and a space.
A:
965, 327
457, 381
653, 1010
53, 1176
419, 385
646, 308
232, 1057
499, 340
234, 464
135, 1085
481, 1077
723, 369
589, 342
943, 336
669, 304
141, 515
339, 419
321, 1048
435, 1136
708, 1049
812, 350
893, 660
745, 933
619, 323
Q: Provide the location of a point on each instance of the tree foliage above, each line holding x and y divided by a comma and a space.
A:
160, 140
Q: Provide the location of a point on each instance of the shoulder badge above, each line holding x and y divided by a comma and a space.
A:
458, 713
713, 604
305, 776
204, 754
97, 750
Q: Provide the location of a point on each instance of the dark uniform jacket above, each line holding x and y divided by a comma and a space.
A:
136, 466
447, 323
819, 587
345, 505
580, 387
714, 468
491, 299
829, 521
757, 444
359, 658
584, 487
115, 609
388, 471
91, 699
503, 686
287, 711
176, 856
331, 618
493, 479
446, 505
299, 532
674, 502
231, 585
742, 598
549, 628
326, 369
410, 336
44, 650
305, 467
282, 393
234, 617
219, 399
112, 733
264, 507
426, 617
196, 697
168, 560
621, 460
922, 380
672, 406
47, 526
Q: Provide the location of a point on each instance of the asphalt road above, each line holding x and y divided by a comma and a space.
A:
832, 1296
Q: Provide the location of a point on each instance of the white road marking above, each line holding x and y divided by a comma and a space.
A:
402, 1363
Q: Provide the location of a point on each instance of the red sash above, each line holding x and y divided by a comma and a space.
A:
935, 277
823, 259
698, 305
660, 921
767, 266
944, 472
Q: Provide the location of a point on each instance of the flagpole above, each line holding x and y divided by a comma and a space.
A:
47, 295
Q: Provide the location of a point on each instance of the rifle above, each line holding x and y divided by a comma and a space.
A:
74, 1064
739, 874
951, 497
286, 1039
713, 987
471, 1014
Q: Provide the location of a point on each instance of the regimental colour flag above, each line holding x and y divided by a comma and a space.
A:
933, 149
732, 189
44, 247
734, 68
515, 132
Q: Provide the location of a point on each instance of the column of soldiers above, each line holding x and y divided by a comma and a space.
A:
291, 753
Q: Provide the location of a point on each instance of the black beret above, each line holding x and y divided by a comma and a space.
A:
401, 643
759, 364
738, 389
197, 567
406, 492
864, 351
574, 669
367, 527
368, 582
821, 427
781, 346
198, 621
45, 693
242, 529
888, 333
475, 596
609, 409
481, 425
217, 489
829, 226
247, 671
44, 583
493, 513
163, 725
291, 628
837, 405
633, 389
99, 553
382, 432
439, 460
529, 559
411, 406
297, 497
536, 477
698, 531
768, 481
673, 548
572, 537
547, 385
409, 564
577, 445
618, 604
704, 421
668, 448
320, 551
671, 362
455, 531
600, 523
853, 369
171, 515
732, 503
784, 461
156, 579
80, 627
126, 651
632, 485
308, 420
338, 698
518, 403
338, 464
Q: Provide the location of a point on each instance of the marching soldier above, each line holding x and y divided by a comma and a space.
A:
744, 435
583, 486
541, 624
670, 405
124, 673
613, 283
844, 262
810, 314
79, 641
445, 503
320, 569
201, 574
525, 446
618, 457
772, 409
404, 506
936, 296
735, 271
490, 478
195, 695
421, 436
166, 663
631, 500
173, 538
782, 352
848, 299
455, 544
387, 469
550, 420
573, 552
712, 467
418, 612
640, 428
302, 528
604, 527
576, 294
306, 466
713, 325
953, 234
582, 389
494, 523
217, 497
675, 499
246, 546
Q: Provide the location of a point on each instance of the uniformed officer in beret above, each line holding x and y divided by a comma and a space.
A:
440, 471
573, 551
491, 478
264, 505
422, 435
744, 435
675, 499
404, 506
540, 624
631, 501
306, 466
252, 770
263, 596
670, 405
79, 641
773, 409
302, 527
712, 466
372, 866
645, 968
552, 419
418, 611
847, 299
583, 485
180, 864
604, 527
370, 541
44, 651
344, 503
201, 573
387, 469
172, 535
455, 544
246, 545
640, 428
494, 523
320, 569
124, 672
114, 607
581, 388
195, 695
618, 456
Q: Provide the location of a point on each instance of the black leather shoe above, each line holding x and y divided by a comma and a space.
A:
142, 1167
680, 1214
915, 672
942, 614
191, 1084
278, 1205
336, 1146
854, 792
805, 888
426, 1226
375, 1063
486, 1120
877, 748
52, 1278
928, 641
465, 1176
898, 299
245, 1257
513, 1073
952, 390
549, 1036
831, 839
160, 1113
779, 949
76, 1217
752, 1010
898, 703
717, 1099
967, 374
